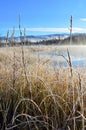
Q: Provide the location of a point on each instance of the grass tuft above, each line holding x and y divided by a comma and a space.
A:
36, 96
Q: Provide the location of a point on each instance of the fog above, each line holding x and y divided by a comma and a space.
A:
57, 53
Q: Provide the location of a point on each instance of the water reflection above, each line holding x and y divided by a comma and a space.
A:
79, 63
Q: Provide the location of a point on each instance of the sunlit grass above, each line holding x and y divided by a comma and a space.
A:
37, 96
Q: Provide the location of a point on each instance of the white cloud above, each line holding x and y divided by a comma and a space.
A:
60, 30
83, 19
79, 30
48, 29
53, 30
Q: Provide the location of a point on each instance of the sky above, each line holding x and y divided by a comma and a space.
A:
42, 16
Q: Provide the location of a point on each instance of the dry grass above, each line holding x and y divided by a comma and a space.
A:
36, 96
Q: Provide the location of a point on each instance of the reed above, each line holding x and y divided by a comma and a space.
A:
34, 95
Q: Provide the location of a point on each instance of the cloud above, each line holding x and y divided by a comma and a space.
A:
79, 30
48, 29
53, 30
60, 30
83, 19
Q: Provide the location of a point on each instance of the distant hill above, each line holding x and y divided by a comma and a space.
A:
77, 39
57, 39
38, 37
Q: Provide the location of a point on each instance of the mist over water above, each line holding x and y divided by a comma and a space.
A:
57, 54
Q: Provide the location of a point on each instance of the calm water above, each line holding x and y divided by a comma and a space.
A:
58, 54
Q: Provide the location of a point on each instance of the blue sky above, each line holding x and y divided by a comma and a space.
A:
42, 16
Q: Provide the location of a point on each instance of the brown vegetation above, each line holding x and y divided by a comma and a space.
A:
36, 96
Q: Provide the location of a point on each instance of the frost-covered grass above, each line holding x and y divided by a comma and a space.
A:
37, 96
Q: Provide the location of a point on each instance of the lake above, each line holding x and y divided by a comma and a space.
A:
58, 54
